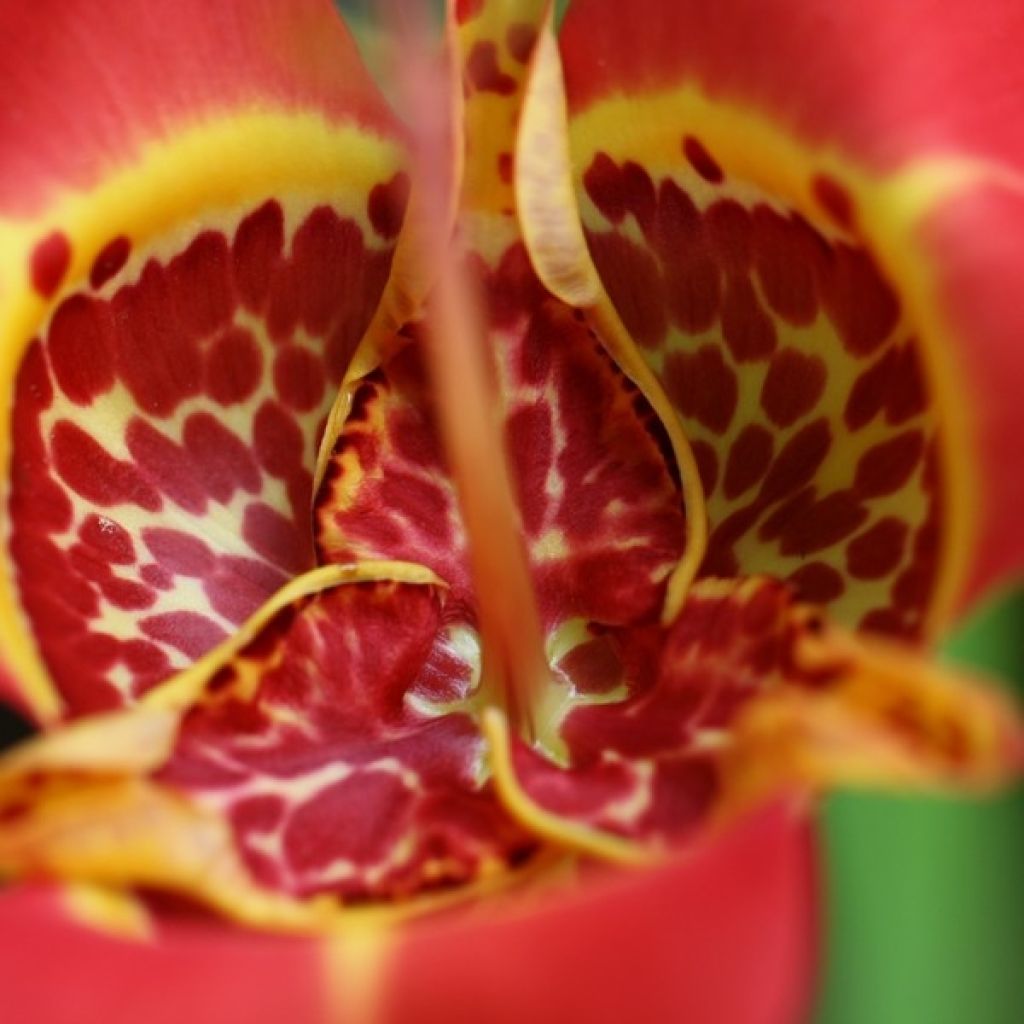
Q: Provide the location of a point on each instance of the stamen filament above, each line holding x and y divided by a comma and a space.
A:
470, 413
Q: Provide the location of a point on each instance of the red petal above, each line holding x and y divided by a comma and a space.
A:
881, 81
119, 73
977, 246
196, 972
745, 954
723, 936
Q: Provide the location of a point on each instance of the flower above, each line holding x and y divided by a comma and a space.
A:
312, 654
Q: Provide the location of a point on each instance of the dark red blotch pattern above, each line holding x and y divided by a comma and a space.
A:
641, 767
695, 273
330, 779
585, 450
85, 473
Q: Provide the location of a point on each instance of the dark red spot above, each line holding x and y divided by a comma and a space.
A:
40, 500
89, 470
593, 666
702, 161
907, 394
143, 657
33, 391
703, 386
887, 466
783, 514
258, 813
80, 348
720, 559
520, 39
89, 563
888, 621
859, 301
799, 460
870, 392
240, 585
178, 552
157, 359
355, 317
166, 464
634, 285
513, 288
299, 377
201, 284
99, 649
677, 224
156, 576
49, 263
506, 166
277, 539
913, 586
707, 465
749, 457
256, 250
817, 582
822, 524
877, 551
283, 308
603, 183
792, 386
834, 200
530, 444
328, 258
692, 278
222, 463
278, 440
110, 261
108, 539
387, 203
747, 329
189, 632
728, 231
638, 194
788, 256
234, 365
359, 818
127, 594
483, 72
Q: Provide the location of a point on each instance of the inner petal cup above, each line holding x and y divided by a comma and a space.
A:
599, 507
794, 369
165, 430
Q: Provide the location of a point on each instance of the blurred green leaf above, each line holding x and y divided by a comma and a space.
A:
924, 904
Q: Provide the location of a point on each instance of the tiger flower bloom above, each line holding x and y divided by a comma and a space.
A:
446, 558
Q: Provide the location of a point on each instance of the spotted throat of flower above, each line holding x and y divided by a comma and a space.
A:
397, 516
